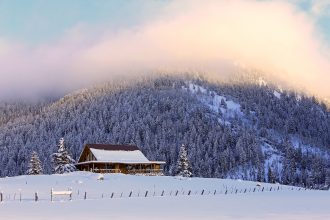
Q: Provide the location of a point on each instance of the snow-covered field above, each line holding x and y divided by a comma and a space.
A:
167, 198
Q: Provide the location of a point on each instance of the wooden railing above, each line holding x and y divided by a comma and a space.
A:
133, 171
106, 170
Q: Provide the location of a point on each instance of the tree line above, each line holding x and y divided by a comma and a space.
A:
158, 115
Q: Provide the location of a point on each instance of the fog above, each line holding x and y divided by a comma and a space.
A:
273, 36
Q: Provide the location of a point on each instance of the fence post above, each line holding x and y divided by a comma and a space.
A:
146, 194
130, 194
51, 194
189, 192
202, 192
162, 193
1, 197
85, 196
36, 196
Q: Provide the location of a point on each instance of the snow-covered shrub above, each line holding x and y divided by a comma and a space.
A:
100, 177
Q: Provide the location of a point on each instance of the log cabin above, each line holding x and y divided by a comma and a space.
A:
108, 158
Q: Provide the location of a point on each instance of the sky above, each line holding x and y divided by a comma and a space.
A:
54, 46
40, 21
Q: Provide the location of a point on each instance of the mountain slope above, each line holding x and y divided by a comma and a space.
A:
240, 130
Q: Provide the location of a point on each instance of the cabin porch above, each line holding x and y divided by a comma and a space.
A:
150, 168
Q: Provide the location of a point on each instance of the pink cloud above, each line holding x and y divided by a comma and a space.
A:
191, 36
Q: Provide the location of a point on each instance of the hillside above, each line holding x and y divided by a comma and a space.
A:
240, 130
156, 197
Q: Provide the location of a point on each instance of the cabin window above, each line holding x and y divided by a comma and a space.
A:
110, 166
89, 157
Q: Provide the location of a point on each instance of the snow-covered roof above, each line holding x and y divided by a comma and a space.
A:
110, 153
113, 147
119, 156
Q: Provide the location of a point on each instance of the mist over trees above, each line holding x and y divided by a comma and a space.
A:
273, 139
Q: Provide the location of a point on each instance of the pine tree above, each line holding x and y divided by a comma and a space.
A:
271, 176
327, 178
62, 161
35, 166
183, 164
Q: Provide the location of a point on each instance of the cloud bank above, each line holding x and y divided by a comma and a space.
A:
321, 7
273, 36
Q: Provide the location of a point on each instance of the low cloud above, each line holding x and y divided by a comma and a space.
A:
275, 37
320, 7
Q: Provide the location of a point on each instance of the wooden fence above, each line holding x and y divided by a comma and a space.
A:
85, 195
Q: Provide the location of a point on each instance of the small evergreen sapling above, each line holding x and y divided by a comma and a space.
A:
62, 161
35, 166
183, 164
271, 176
327, 179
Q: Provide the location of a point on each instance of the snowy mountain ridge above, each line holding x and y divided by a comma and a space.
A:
230, 109
231, 130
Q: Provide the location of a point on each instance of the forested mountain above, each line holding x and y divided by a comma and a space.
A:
231, 130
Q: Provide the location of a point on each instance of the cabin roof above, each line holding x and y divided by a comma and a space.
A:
119, 156
113, 147
112, 153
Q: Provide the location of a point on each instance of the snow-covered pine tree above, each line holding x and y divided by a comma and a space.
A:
271, 176
62, 161
35, 166
183, 164
327, 178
